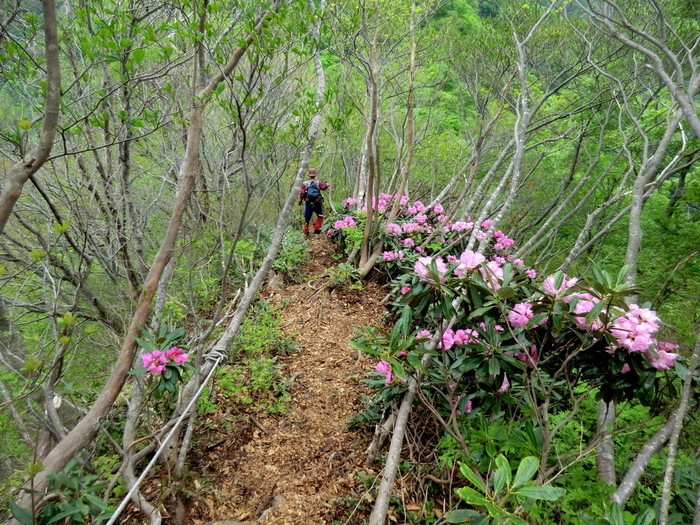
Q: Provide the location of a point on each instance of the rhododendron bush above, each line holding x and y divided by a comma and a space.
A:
503, 342
516, 323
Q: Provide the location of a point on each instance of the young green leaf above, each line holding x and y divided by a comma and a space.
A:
526, 470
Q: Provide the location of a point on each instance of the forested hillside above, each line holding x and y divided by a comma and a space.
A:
520, 179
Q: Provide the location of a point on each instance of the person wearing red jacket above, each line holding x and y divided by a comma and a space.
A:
310, 193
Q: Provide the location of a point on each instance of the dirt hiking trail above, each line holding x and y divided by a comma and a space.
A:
296, 468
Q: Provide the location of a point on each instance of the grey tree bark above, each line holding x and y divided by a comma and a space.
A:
21, 171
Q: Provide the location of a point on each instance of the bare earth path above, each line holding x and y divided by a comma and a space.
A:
307, 460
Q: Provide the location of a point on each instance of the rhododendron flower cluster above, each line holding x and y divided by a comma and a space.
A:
156, 361
347, 222
468, 260
422, 267
390, 256
384, 367
550, 286
521, 314
633, 331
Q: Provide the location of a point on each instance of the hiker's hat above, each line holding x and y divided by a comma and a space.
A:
312, 173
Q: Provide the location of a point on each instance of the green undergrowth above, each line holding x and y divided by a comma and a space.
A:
255, 383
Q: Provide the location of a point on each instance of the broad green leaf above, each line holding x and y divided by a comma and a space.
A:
472, 477
645, 517
469, 495
517, 520
61, 227
595, 312
499, 481
545, 493
491, 449
21, 514
138, 55
526, 470
587, 520
503, 466
462, 516
615, 515
681, 369
536, 319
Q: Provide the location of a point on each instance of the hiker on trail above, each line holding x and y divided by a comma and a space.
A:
310, 193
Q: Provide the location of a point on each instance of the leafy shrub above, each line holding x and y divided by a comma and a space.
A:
260, 333
77, 499
292, 256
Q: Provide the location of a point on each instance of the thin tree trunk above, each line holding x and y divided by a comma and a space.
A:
686, 397
634, 473
21, 171
605, 452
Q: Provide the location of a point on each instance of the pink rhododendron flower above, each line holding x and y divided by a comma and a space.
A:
504, 385
625, 368
566, 283
529, 356
442, 218
665, 359
404, 200
447, 339
486, 224
154, 362
422, 265
461, 226
451, 259
438, 209
393, 229
421, 218
383, 367
411, 210
469, 406
409, 242
644, 316
468, 260
176, 355
519, 263
634, 336
493, 275
408, 227
349, 202
405, 289
520, 315
463, 337
531, 273
423, 333
419, 206
498, 259
585, 304
480, 235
